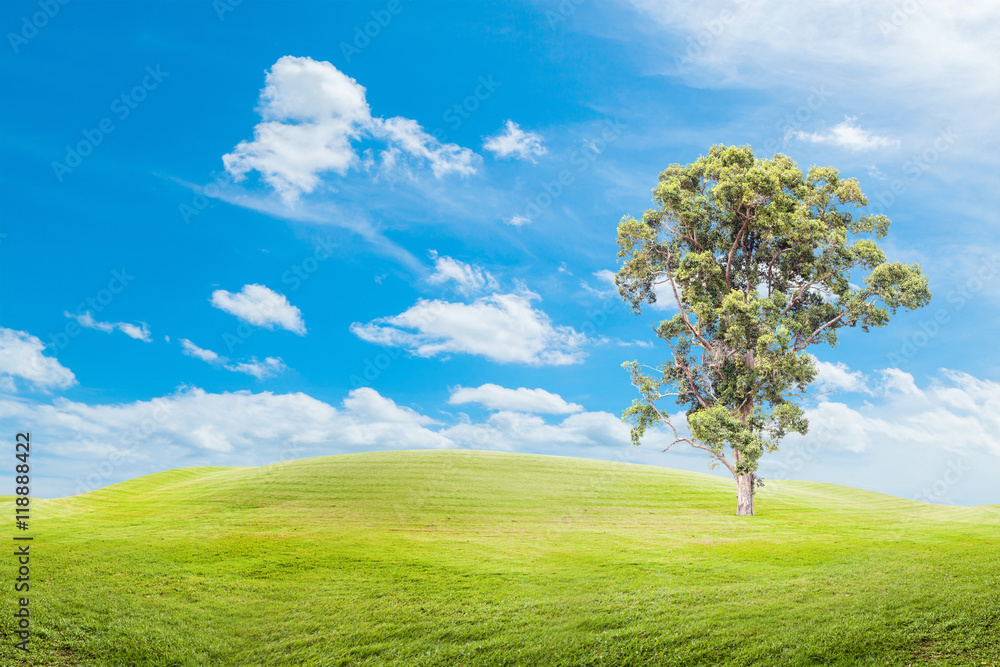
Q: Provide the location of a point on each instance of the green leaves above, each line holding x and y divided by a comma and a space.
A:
760, 261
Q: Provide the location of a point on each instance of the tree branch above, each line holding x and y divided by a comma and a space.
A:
677, 438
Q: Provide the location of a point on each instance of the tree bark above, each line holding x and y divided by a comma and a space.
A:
744, 494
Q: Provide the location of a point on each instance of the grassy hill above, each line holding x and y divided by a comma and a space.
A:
481, 558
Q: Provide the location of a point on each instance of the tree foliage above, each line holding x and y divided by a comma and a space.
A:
761, 262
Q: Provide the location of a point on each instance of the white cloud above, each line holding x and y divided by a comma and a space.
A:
260, 306
635, 343
368, 405
259, 369
194, 427
21, 357
521, 399
605, 278
502, 327
510, 431
518, 220
581, 433
848, 134
138, 331
930, 68
413, 140
193, 350
895, 381
959, 414
468, 278
937, 46
956, 415
838, 376
665, 299
512, 141
311, 115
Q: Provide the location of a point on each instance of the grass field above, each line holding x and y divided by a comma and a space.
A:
478, 558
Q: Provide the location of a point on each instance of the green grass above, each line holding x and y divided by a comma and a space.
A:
478, 558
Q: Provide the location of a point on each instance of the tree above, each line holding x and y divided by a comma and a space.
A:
759, 261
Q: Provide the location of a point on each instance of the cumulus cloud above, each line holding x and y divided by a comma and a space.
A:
957, 412
106, 443
468, 278
495, 397
505, 328
837, 376
848, 134
21, 357
138, 331
260, 306
311, 116
192, 427
518, 220
514, 142
580, 433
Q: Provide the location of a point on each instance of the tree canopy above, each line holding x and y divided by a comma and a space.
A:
760, 262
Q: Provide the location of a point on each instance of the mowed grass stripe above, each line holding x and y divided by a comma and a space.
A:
485, 558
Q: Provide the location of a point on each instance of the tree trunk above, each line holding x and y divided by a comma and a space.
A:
744, 494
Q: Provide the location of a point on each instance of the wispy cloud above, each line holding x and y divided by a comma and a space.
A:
259, 369
513, 142
138, 331
848, 134
193, 350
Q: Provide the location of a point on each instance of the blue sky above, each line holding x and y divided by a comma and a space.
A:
234, 234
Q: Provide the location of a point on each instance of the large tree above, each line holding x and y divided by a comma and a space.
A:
760, 262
